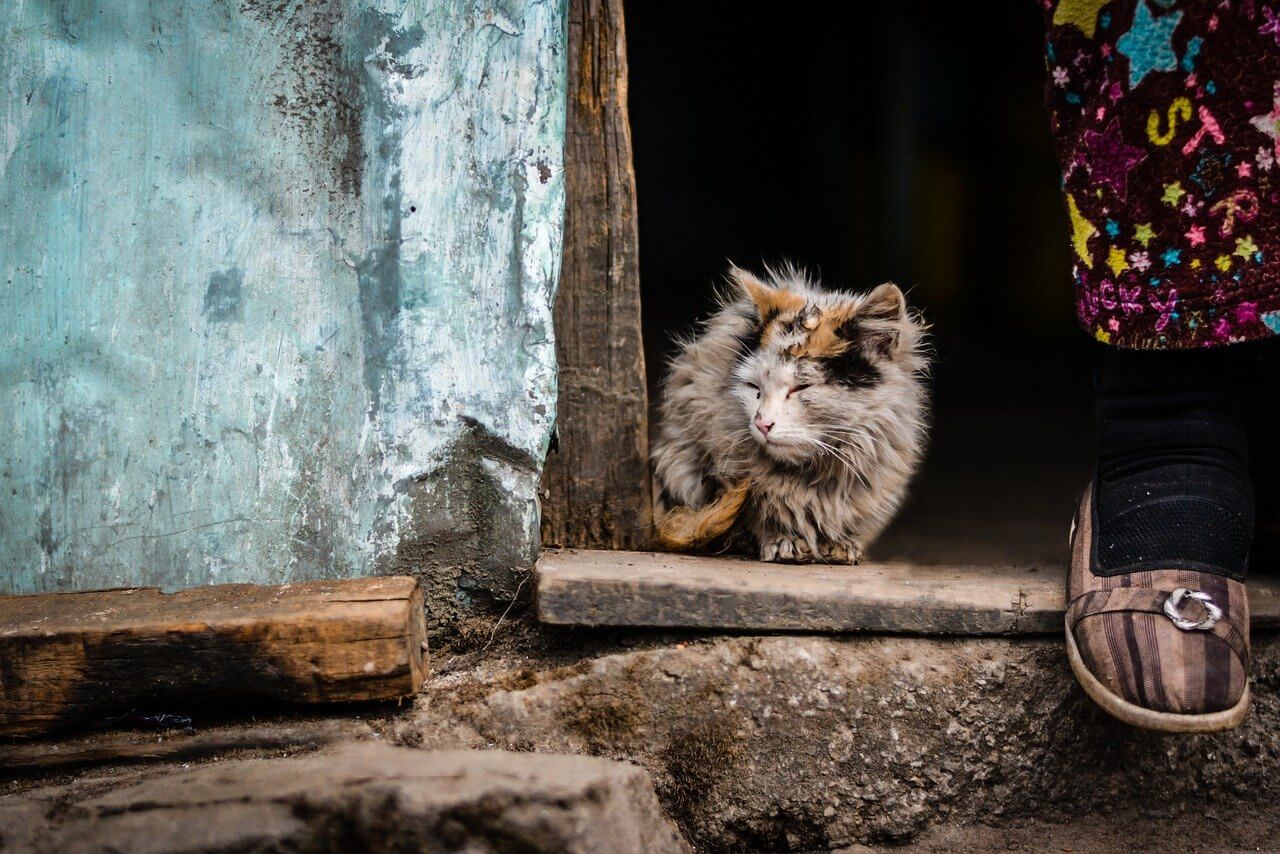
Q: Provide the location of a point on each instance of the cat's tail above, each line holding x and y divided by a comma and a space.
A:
687, 528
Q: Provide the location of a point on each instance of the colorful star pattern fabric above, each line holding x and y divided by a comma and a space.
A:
1166, 115
1269, 123
1149, 43
1081, 231
1109, 159
1079, 13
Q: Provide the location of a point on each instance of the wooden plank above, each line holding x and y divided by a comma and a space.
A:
74, 657
598, 588
595, 488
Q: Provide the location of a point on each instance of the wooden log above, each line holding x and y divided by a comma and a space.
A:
74, 657
595, 488
597, 588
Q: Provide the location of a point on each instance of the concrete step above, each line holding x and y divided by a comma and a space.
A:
1106, 833
601, 588
812, 742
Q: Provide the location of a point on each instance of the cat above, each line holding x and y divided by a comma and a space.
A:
795, 418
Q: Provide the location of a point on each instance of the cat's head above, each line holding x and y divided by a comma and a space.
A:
813, 365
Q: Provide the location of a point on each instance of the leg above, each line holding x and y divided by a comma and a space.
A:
1157, 618
1172, 485
1167, 176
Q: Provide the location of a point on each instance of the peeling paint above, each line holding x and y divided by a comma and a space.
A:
277, 288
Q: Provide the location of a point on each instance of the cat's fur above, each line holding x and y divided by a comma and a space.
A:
839, 375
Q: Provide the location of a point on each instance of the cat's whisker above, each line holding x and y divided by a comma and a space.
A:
855, 445
865, 443
849, 464
852, 471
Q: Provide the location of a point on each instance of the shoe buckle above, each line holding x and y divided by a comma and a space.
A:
1173, 610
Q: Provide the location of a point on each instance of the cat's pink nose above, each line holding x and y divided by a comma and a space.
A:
763, 426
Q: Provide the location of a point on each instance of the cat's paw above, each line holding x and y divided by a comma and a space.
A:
786, 550
849, 553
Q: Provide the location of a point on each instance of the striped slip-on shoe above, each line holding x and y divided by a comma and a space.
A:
1161, 649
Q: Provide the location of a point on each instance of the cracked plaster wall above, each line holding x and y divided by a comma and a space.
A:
276, 289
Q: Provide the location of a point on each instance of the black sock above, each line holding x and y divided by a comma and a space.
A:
1172, 488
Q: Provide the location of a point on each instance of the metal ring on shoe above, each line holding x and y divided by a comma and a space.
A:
1173, 610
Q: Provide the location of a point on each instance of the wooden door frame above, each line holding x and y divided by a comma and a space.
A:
595, 489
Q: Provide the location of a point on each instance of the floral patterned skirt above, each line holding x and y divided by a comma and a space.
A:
1166, 115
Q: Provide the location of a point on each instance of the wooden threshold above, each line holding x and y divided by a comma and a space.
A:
88, 657
648, 589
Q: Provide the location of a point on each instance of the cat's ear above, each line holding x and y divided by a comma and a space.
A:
769, 301
881, 317
752, 287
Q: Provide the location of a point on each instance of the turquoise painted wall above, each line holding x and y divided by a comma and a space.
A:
276, 291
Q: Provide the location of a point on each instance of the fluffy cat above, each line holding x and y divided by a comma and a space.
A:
796, 417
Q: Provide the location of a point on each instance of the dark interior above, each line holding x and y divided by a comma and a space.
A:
904, 142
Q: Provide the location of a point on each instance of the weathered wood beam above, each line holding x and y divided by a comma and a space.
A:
597, 588
75, 657
595, 489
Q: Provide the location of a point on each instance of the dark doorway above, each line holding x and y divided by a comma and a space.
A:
902, 142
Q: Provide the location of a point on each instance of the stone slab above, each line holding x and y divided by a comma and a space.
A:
364, 797
600, 588
135, 747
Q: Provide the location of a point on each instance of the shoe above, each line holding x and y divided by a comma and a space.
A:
1164, 649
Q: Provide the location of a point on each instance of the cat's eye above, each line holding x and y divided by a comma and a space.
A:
797, 388
754, 388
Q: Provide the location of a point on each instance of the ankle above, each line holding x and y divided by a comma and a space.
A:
1172, 488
